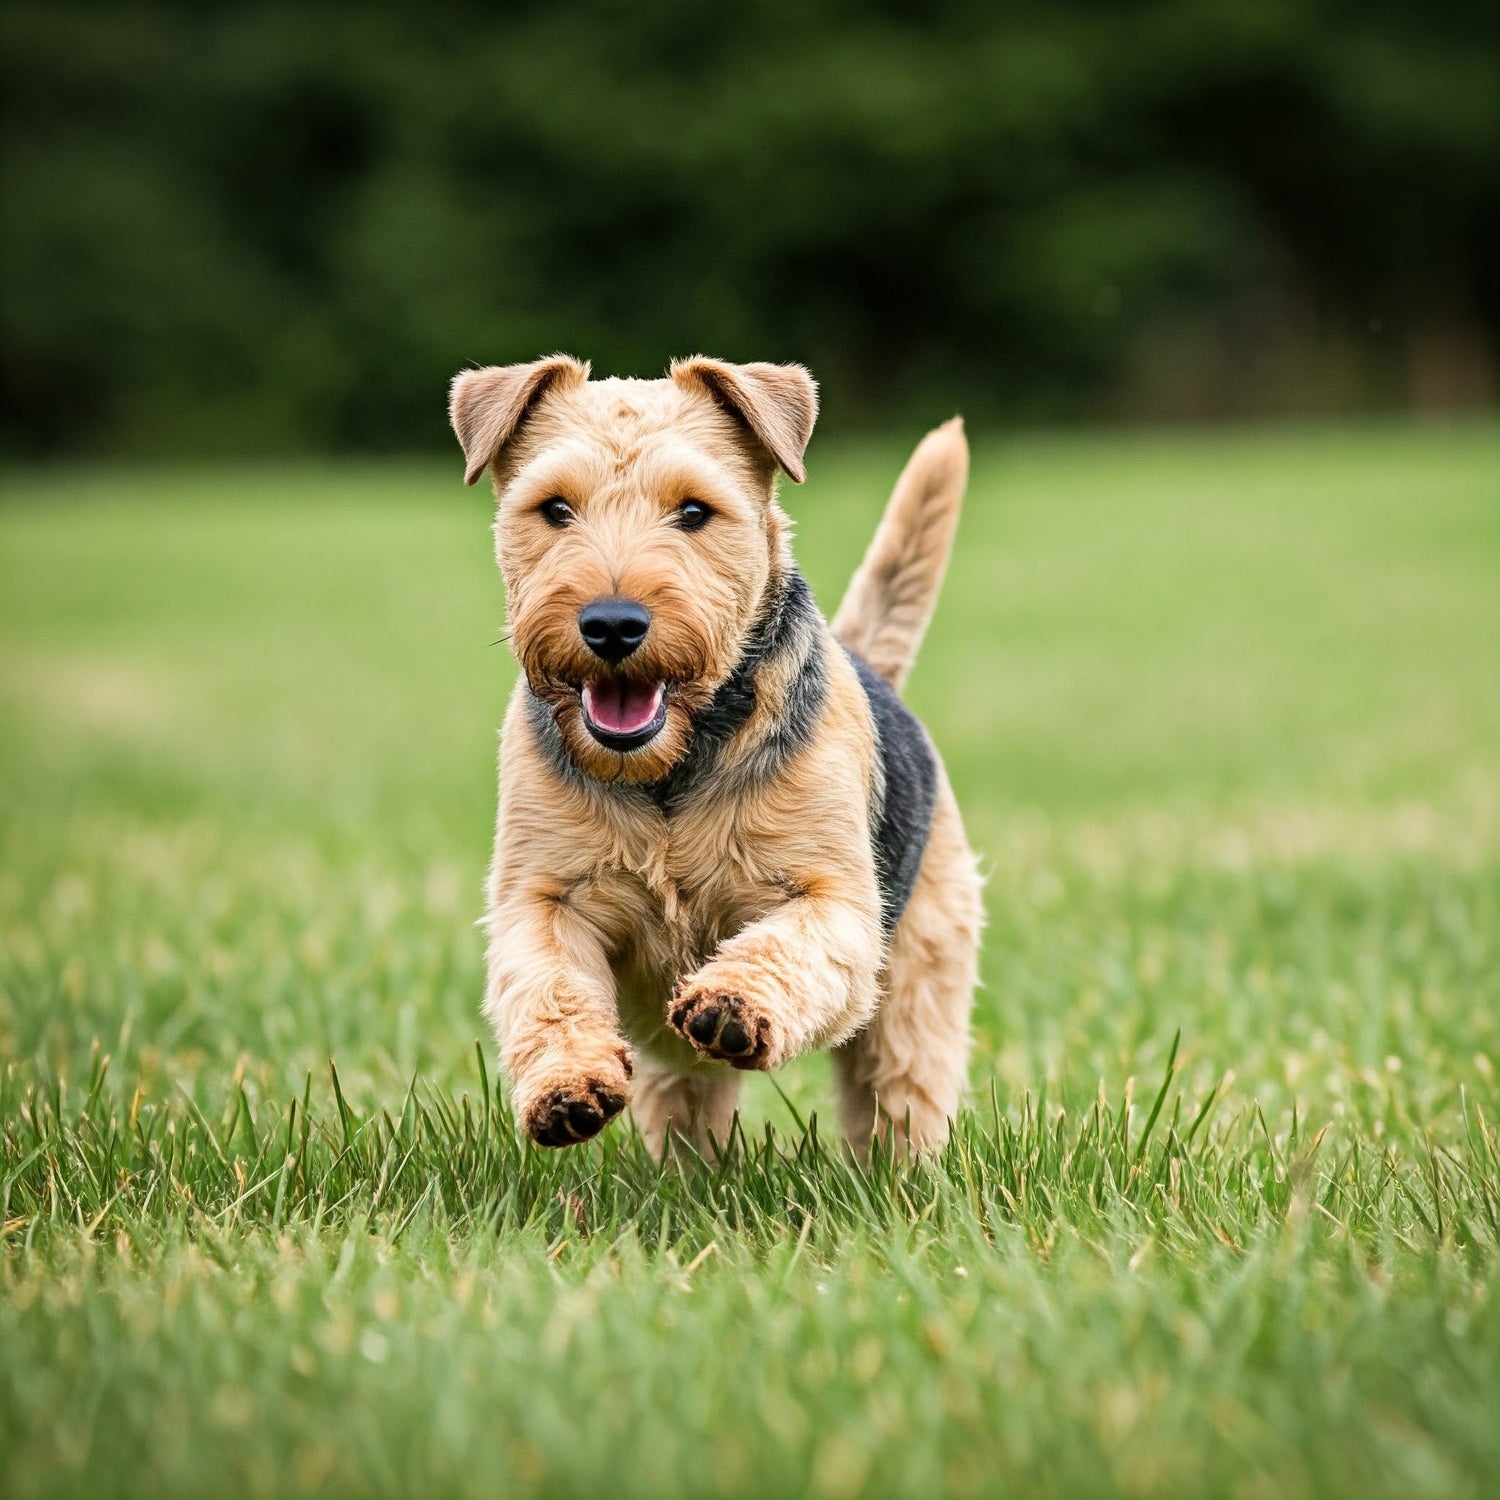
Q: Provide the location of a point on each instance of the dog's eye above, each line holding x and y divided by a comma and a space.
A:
693, 515
556, 511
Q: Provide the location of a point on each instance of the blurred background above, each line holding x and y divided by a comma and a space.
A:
1217, 287
1215, 674
237, 229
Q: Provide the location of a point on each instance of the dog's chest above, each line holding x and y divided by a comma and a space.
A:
677, 888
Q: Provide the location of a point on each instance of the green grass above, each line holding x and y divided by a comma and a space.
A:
1224, 715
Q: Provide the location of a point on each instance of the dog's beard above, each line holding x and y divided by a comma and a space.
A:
639, 756
630, 725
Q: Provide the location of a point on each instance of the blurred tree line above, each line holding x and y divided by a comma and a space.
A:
236, 228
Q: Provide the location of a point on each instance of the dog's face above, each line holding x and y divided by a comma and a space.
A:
638, 535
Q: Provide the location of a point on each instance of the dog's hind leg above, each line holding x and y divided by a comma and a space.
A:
694, 1108
902, 1076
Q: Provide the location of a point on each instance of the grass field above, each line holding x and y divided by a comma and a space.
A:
1224, 714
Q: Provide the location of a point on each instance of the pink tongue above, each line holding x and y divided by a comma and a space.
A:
621, 707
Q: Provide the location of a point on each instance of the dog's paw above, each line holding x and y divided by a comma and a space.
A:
575, 1097
724, 1025
574, 1112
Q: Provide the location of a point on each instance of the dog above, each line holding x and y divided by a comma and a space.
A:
723, 840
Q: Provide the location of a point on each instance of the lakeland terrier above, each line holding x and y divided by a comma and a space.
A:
723, 840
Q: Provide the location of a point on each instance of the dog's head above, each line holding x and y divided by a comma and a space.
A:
638, 536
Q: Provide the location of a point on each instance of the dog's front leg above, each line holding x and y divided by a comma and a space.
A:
802, 977
551, 998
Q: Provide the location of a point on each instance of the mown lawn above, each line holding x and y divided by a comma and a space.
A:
1224, 712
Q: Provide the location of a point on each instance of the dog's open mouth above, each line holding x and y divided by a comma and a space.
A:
624, 715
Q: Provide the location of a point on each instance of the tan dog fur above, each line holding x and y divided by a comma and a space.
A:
618, 927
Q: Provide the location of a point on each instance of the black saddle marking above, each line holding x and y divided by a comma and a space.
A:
901, 817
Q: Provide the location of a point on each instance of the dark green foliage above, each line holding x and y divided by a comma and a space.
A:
260, 227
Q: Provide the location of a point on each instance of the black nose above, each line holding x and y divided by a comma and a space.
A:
613, 628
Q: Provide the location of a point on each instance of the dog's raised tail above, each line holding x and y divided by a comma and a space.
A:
890, 599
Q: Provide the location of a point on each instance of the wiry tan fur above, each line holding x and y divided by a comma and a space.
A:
614, 924
890, 599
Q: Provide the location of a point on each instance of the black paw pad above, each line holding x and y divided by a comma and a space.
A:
704, 1027
734, 1038
567, 1116
720, 1026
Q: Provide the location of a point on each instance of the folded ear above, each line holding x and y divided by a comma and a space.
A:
487, 406
778, 403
